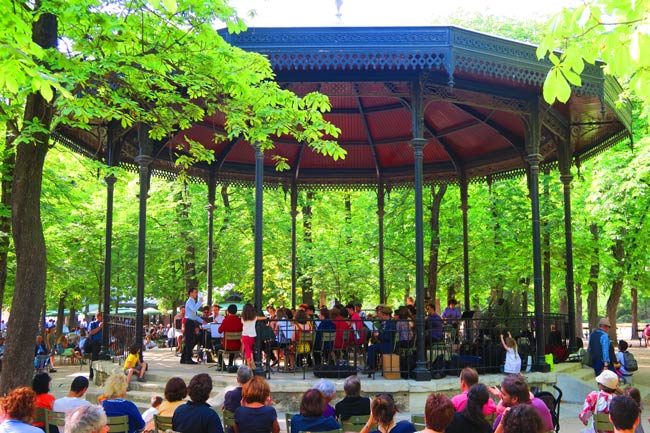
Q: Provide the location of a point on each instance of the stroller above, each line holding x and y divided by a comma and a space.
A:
553, 404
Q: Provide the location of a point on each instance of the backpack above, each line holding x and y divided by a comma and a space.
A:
629, 361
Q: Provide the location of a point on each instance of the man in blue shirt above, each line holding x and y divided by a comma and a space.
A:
192, 323
95, 336
599, 347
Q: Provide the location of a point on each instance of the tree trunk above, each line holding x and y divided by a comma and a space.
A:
348, 218
434, 246
635, 313
60, 313
7, 173
546, 252
579, 318
594, 270
72, 321
618, 251
306, 284
185, 227
29, 243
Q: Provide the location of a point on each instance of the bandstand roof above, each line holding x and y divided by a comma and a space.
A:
477, 89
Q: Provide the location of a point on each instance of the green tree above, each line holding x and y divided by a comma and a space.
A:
612, 31
145, 62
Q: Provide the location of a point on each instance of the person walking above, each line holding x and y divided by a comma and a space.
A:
192, 323
599, 347
95, 336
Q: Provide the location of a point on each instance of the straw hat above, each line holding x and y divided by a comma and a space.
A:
608, 379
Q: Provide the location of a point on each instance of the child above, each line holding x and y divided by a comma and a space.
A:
635, 394
148, 414
621, 368
134, 365
513, 361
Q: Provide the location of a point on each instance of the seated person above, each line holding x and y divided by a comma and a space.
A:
114, 403
311, 416
197, 416
256, 414
353, 404
231, 323
469, 378
232, 399
134, 365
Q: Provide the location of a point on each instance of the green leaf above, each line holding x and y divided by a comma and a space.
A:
171, 6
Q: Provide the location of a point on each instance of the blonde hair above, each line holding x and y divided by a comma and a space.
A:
115, 386
511, 343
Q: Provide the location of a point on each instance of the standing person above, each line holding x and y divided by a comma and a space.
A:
599, 347
256, 414
513, 361
192, 323
471, 419
74, 399
17, 410
622, 371
248, 319
646, 334
196, 416
95, 336
179, 320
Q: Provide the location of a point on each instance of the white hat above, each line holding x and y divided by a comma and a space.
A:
608, 378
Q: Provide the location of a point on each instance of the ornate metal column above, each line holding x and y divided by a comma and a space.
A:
464, 207
210, 207
259, 271
565, 150
294, 236
111, 160
420, 373
533, 132
144, 161
381, 193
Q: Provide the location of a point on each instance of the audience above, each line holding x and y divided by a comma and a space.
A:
598, 401
44, 400
196, 415
624, 414
311, 417
74, 399
471, 418
256, 414
86, 419
232, 399
329, 392
17, 411
148, 414
353, 404
469, 378
116, 405
382, 413
521, 418
438, 413
514, 391
635, 394
175, 393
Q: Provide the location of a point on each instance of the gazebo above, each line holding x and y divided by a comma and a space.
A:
415, 106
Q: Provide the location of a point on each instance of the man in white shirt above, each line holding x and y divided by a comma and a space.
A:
74, 399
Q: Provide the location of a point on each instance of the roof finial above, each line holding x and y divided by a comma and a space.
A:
339, 15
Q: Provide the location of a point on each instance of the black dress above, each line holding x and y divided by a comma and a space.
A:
461, 424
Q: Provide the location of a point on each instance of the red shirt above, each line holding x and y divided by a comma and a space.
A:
45, 401
341, 326
231, 323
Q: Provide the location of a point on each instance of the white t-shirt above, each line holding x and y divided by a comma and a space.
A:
248, 328
64, 404
148, 414
513, 362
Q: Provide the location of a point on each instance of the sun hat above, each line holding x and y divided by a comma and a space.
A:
604, 322
608, 379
